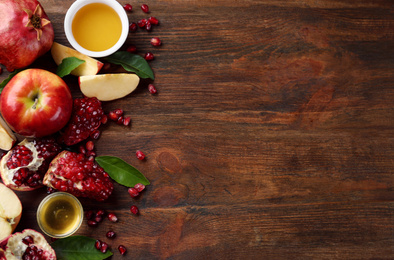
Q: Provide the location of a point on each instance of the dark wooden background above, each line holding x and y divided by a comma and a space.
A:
271, 136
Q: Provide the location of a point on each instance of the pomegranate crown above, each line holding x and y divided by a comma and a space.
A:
36, 21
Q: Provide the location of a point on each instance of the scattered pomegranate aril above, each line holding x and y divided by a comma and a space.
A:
28, 240
89, 214
104, 247
133, 27
131, 49
134, 210
98, 244
112, 217
153, 20
89, 145
152, 89
122, 250
126, 121
113, 116
139, 187
50, 190
118, 112
92, 223
95, 134
86, 117
98, 219
133, 192
145, 8
141, 23
140, 155
110, 234
155, 41
148, 26
128, 7
149, 56
104, 119
120, 120
100, 213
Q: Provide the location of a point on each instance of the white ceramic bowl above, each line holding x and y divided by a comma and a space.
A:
74, 8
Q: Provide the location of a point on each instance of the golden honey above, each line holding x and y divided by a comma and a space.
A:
96, 27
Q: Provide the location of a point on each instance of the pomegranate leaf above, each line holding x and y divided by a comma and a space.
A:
68, 64
78, 248
133, 63
12, 74
121, 172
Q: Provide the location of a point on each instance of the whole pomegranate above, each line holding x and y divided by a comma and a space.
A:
25, 33
28, 244
79, 175
23, 168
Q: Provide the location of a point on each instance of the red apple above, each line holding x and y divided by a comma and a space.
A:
36, 103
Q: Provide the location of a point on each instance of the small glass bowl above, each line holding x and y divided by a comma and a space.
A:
60, 215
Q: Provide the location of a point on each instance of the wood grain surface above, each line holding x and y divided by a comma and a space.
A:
271, 136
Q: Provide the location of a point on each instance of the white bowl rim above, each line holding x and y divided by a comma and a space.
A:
78, 4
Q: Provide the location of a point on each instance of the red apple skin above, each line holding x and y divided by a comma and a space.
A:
51, 111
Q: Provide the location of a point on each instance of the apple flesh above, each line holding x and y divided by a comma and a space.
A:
106, 87
7, 137
89, 67
36, 103
10, 211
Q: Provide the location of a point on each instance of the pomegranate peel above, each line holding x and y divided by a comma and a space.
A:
35, 21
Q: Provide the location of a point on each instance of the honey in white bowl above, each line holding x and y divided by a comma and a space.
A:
60, 214
96, 27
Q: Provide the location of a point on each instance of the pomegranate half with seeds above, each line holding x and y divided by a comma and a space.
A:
79, 175
23, 168
28, 244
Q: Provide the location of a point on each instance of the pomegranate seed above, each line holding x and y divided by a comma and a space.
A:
113, 116
128, 7
95, 134
131, 49
122, 249
118, 112
152, 89
141, 23
100, 213
155, 41
140, 155
98, 244
126, 121
133, 27
89, 145
89, 214
145, 8
112, 217
133, 192
139, 186
104, 119
98, 219
50, 190
110, 234
148, 26
28, 240
134, 210
149, 56
92, 223
120, 120
153, 20
104, 247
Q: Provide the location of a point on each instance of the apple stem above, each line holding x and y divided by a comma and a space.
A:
35, 103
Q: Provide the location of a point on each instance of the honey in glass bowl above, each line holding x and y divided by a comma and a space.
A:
60, 214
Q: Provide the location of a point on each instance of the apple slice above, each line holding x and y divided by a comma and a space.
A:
89, 67
106, 87
7, 137
10, 211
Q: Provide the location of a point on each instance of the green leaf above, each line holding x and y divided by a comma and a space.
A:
2, 84
78, 248
68, 64
121, 172
133, 63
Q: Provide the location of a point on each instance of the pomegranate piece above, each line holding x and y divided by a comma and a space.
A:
86, 118
110, 234
104, 247
148, 26
153, 20
140, 155
141, 23
112, 217
74, 173
133, 27
126, 121
89, 145
28, 240
131, 49
139, 187
128, 7
145, 8
15, 245
122, 249
155, 41
92, 223
23, 167
149, 56
89, 214
134, 210
95, 134
98, 244
133, 192
152, 89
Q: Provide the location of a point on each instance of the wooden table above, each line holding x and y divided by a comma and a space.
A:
271, 136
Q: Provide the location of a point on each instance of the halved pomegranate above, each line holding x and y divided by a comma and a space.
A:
79, 175
23, 168
28, 244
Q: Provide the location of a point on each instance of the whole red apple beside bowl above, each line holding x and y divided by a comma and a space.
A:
36, 103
